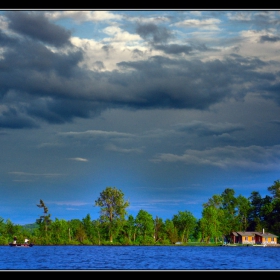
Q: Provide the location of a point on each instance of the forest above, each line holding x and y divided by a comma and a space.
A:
221, 214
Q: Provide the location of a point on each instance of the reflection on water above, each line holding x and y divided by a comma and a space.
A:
139, 258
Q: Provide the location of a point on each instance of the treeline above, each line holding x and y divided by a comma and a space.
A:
221, 215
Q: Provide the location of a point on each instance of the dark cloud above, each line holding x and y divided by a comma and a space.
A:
267, 38
98, 65
137, 53
269, 91
5, 40
36, 26
181, 49
246, 62
172, 83
174, 48
27, 55
60, 111
27, 65
53, 81
155, 33
103, 124
277, 122
208, 129
13, 119
107, 49
155, 83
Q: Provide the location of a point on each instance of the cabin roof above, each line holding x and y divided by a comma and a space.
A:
253, 233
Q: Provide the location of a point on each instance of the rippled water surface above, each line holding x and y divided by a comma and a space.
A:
139, 258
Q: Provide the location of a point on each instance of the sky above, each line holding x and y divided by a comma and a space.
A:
169, 106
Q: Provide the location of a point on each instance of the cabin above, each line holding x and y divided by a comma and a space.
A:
253, 238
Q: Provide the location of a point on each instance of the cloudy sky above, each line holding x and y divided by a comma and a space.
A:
170, 107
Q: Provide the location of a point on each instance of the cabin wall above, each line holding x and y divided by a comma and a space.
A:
248, 240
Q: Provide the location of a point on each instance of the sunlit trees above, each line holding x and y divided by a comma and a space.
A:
129, 231
221, 215
112, 209
3, 236
59, 231
210, 223
13, 230
145, 225
98, 232
229, 206
185, 223
2, 226
160, 233
212, 217
171, 231
89, 228
75, 233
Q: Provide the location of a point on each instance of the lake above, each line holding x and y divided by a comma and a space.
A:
148, 258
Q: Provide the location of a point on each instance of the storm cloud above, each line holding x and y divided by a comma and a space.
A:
171, 107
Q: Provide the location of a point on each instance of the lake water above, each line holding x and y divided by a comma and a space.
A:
139, 258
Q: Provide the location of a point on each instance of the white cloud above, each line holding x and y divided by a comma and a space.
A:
240, 16
120, 35
114, 148
3, 23
149, 19
19, 173
79, 159
121, 48
252, 157
83, 16
209, 24
96, 133
69, 203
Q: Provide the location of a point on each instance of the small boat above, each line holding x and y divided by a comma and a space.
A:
21, 245
260, 245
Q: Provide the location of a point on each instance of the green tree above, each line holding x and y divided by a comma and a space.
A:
3, 236
271, 208
98, 231
275, 189
2, 226
129, 230
171, 231
210, 223
81, 234
13, 230
160, 233
216, 201
112, 209
44, 221
92, 230
269, 214
59, 232
229, 206
74, 231
185, 223
243, 211
255, 223
145, 224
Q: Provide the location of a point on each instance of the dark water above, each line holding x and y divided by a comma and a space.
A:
139, 258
